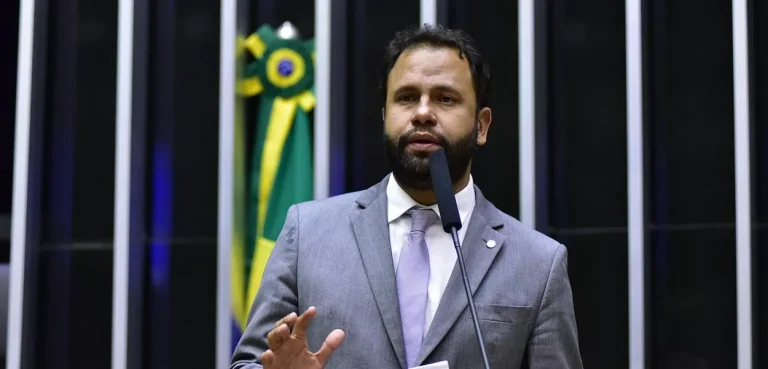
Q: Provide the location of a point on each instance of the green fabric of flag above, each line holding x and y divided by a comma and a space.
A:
281, 172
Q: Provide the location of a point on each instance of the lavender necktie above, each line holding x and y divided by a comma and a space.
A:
412, 282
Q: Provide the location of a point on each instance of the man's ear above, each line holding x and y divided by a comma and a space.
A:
484, 118
383, 115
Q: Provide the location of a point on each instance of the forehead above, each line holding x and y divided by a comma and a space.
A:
425, 66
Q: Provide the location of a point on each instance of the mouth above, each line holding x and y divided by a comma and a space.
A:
423, 141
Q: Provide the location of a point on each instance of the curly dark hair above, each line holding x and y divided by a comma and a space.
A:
440, 36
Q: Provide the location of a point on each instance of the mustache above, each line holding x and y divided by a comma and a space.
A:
402, 141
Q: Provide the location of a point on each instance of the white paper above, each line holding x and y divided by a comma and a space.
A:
440, 365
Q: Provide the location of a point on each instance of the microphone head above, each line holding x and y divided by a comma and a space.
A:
443, 187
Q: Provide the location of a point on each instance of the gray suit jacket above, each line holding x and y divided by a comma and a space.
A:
335, 254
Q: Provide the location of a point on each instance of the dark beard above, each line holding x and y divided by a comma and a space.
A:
412, 170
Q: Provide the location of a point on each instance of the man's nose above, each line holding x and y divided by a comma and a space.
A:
424, 114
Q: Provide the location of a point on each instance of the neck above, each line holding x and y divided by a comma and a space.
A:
427, 197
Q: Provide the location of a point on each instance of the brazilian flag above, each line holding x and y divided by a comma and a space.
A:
282, 76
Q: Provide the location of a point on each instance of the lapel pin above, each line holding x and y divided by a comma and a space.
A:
491, 244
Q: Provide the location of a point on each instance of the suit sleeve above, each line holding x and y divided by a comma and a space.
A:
554, 340
276, 298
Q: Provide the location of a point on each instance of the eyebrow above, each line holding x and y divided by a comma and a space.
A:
448, 88
440, 87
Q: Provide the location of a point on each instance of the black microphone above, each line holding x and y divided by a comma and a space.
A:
449, 215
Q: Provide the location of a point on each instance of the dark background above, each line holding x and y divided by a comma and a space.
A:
581, 163
690, 184
9, 41
759, 82
585, 192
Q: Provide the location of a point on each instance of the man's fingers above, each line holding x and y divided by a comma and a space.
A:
267, 358
282, 331
302, 323
289, 319
278, 336
332, 342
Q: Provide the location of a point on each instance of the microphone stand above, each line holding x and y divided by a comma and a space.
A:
457, 245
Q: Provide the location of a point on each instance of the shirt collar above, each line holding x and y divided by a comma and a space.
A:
398, 201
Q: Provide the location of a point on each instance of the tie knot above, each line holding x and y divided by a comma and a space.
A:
421, 219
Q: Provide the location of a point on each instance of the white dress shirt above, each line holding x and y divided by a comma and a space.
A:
442, 254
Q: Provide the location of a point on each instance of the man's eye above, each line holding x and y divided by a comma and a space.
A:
406, 98
447, 99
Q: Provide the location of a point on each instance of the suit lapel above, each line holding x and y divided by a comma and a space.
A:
372, 234
477, 259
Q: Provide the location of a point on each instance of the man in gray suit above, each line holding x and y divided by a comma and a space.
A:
373, 274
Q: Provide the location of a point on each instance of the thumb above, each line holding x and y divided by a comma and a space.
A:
332, 342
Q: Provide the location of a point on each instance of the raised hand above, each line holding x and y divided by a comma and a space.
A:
288, 349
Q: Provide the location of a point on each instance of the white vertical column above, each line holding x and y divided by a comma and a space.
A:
227, 74
322, 134
20, 185
527, 101
635, 206
428, 12
121, 255
743, 191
